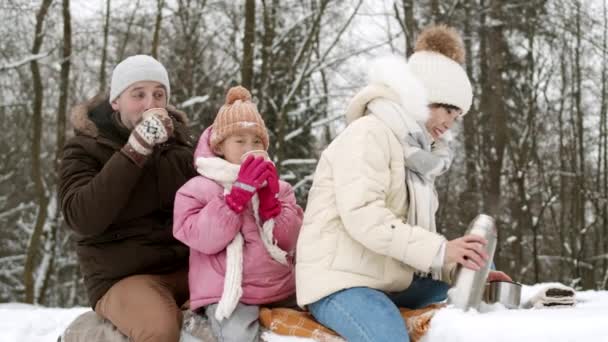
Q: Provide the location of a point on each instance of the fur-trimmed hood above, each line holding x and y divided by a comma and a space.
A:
92, 117
390, 78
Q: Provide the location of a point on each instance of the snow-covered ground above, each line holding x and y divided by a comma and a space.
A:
588, 321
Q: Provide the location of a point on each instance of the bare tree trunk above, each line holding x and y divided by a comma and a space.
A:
435, 12
604, 144
574, 227
61, 129
104, 50
407, 23
37, 177
269, 14
302, 59
600, 175
563, 165
493, 106
580, 195
532, 110
125, 39
470, 197
492, 103
248, 45
157, 25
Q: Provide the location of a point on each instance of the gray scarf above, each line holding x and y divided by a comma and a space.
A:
424, 160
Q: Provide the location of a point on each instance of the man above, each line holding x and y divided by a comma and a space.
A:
119, 176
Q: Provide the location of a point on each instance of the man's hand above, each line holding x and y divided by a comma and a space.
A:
155, 128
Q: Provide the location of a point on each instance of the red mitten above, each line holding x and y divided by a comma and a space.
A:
270, 206
252, 174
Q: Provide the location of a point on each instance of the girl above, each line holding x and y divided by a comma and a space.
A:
240, 222
369, 244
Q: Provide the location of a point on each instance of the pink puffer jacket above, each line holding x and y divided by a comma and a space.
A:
204, 222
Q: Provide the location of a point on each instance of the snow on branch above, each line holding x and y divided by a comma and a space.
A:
24, 61
7, 176
193, 100
315, 124
573, 261
16, 209
298, 162
288, 176
599, 257
303, 181
13, 258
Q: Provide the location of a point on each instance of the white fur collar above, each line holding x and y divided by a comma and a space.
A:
390, 77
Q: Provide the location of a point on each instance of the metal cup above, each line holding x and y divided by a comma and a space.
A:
504, 292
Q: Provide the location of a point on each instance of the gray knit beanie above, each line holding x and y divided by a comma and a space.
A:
135, 69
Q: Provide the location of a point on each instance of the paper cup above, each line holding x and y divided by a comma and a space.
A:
255, 154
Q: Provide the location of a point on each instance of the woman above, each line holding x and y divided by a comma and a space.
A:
369, 244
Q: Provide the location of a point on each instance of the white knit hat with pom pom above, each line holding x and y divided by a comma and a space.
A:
437, 63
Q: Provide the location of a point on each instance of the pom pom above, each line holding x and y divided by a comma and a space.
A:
237, 93
441, 39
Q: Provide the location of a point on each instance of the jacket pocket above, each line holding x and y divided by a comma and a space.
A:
351, 256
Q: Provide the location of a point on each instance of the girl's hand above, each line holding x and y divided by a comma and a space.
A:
270, 206
252, 174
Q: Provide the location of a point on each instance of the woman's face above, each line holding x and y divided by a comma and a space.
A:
442, 118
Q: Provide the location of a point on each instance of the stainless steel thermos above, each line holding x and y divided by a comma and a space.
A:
469, 285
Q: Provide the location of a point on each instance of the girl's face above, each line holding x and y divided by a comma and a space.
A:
235, 145
138, 98
442, 118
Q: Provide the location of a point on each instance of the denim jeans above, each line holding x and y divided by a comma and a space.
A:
365, 314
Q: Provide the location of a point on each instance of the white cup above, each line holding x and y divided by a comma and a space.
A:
255, 154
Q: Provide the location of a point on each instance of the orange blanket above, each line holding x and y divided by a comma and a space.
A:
291, 322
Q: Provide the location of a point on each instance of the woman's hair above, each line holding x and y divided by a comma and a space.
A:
444, 106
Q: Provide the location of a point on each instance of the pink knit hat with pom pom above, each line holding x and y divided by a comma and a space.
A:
238, 115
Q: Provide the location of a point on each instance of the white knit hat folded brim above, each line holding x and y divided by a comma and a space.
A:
446, 81
138, 68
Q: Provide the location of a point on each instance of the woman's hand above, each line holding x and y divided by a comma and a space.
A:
467, 251
498, 276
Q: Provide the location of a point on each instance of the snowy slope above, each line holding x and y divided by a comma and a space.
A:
588, 321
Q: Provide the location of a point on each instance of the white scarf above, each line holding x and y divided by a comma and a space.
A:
226, 173
424, 161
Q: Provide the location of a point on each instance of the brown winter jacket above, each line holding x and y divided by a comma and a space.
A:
121, 214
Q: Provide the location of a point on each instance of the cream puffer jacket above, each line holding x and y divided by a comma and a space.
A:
354, 232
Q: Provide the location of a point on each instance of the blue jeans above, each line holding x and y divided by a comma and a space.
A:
365, 314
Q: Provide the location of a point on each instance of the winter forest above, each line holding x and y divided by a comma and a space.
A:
533, 151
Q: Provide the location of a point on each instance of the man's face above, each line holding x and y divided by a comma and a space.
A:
138, 98
441, 120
